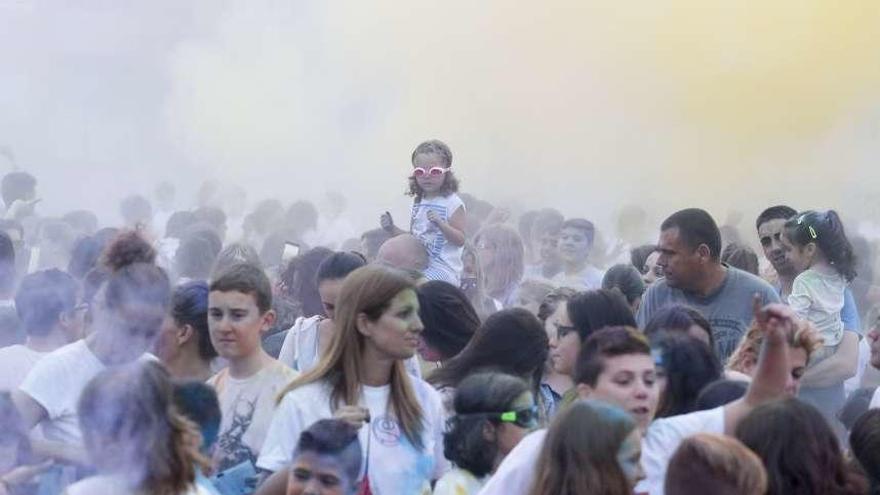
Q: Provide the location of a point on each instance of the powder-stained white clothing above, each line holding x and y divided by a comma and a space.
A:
17, 361
56, 382
818, 297
395, 466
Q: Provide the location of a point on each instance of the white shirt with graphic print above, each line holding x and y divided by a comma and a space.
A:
246, 406
395, 465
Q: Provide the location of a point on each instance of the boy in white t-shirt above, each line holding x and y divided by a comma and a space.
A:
46, 303
239, 312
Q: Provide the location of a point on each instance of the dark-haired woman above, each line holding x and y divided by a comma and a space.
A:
449, 318
493, 412
585, 313
184, 344
309, 338
510, 341
685, 366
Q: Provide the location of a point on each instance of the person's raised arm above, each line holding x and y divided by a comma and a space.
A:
776, 322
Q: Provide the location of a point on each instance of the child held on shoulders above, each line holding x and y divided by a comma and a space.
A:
817, 247
239, 312
438, 214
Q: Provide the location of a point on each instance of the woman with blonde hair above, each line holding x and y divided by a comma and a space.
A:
362, 379
502, 259
136, 438
718, 464
591, 447
742, 363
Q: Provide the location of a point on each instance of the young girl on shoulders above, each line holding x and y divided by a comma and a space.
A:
438, 214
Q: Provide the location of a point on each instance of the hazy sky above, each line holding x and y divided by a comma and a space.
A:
581, 104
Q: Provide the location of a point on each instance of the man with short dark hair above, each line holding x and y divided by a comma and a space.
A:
822, 383
690, 256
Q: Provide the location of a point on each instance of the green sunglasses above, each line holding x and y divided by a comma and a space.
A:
526, 417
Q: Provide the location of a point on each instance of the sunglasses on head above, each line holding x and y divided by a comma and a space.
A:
430, 172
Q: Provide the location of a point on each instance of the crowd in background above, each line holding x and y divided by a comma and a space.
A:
227, 349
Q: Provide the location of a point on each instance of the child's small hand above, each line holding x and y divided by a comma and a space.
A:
386, 222
434, 218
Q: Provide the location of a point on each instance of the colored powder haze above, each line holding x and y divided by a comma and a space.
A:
586, 105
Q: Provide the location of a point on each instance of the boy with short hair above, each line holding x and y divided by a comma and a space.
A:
574, 248
46, 303
239, 312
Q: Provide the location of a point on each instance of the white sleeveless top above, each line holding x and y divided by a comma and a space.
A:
444, 257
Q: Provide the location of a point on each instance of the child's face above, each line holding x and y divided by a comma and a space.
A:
315, 474
799, 257
236, 323
428, 161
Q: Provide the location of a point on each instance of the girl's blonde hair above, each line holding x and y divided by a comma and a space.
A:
508, 264
805, 336
131, 426
366, 291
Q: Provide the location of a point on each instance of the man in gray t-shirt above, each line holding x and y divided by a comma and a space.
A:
690, 247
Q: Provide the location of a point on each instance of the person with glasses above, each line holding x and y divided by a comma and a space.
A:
438, 214
493, 412
583, 314
46, 303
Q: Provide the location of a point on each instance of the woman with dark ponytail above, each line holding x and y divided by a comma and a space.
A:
817, 247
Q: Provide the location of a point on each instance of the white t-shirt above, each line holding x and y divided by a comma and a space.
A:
818, 298
247, 406
663, 438
459, 482
115, 484
590, 278
56, 382
444, 257
517, 471
395, 465
301, 347
18, 360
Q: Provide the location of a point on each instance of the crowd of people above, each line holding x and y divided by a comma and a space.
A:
225, 350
